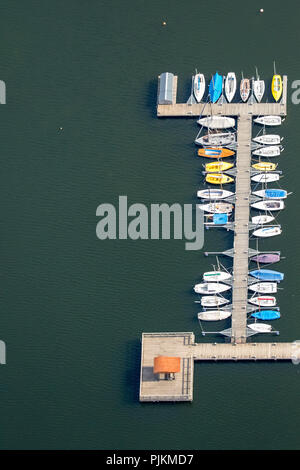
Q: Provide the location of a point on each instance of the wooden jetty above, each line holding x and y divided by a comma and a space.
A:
182, 345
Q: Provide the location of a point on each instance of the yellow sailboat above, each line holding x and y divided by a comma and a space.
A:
276, 85
265, 166
216, 178
217, 167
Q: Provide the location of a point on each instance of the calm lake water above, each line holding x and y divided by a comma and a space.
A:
73, 307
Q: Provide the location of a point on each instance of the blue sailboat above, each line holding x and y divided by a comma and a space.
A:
215, 87
266, 315
275, 193
267, 275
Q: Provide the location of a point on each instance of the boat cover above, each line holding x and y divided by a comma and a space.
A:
266, 315
220, 219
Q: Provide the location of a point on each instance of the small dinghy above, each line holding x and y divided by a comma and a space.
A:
266, 315
271, 151
217, 140
263, 301
262, 219
260, 327
214, 315
269, 120
216, 276
215, 152
217, 207
268, 205
213, 301
264, 287
199, 86
214, 193
245, 89
217, 166
266, 258
271, 193
258, 88
267, 232
268, 139
230, 86
217, 122
215, 87
265, 177
265, 166
215, 178
211, 288
267, 275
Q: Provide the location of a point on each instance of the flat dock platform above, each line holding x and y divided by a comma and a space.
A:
183, 345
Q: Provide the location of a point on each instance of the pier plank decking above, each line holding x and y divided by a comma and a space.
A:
183, 344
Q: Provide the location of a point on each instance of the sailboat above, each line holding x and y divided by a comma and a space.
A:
213, 301
266, 315
230, 86
245, 88
271, 193
264, 287
267, 232
268, 139
267, 275
211, 288
263, 301
265, 177
260, 327
265, 166
217, 166
262, 219
217, 122
258, 88
276, 86
216, 276
216, 207
199, 86
215, 87
215, 178
269, 151
217, 139
215, 152
266, 258
269, 120
268, 205
213, 193
214, 315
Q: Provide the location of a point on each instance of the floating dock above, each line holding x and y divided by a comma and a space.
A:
183, 345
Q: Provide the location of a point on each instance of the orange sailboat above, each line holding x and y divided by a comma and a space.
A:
215, 152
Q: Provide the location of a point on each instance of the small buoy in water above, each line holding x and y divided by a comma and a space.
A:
164, 23
261, 10
60, 128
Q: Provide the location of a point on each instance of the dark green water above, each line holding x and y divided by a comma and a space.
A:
72, 307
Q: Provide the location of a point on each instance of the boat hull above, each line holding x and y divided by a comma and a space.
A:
199, 86
260, 327
215, 178
213, 301
266, 178
269, 151
267, 275
217, 207
268, 139
277, 87
215, 87
268, 205
217, 122
217, 166
269, 120
230, 86
265, 166
266, 315
216, 276
217, 140
259, 89
214, 315
264, 287
211, 288
262, 219
267, 232
263, 301
215, 152
245, 89
266, 258
275, 194
213, 194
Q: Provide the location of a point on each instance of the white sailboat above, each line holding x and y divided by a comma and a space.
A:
214, 193
268, 139
216, 122
216, 140
230, 86
264, 287
265, 177
269, 120
268, 205
267, 232
262, 219
258, 88
260, 327
213, 301
199, 86
216, 207
271, 193
214, 315
216, 276
263, 301
211, 288
269, 151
